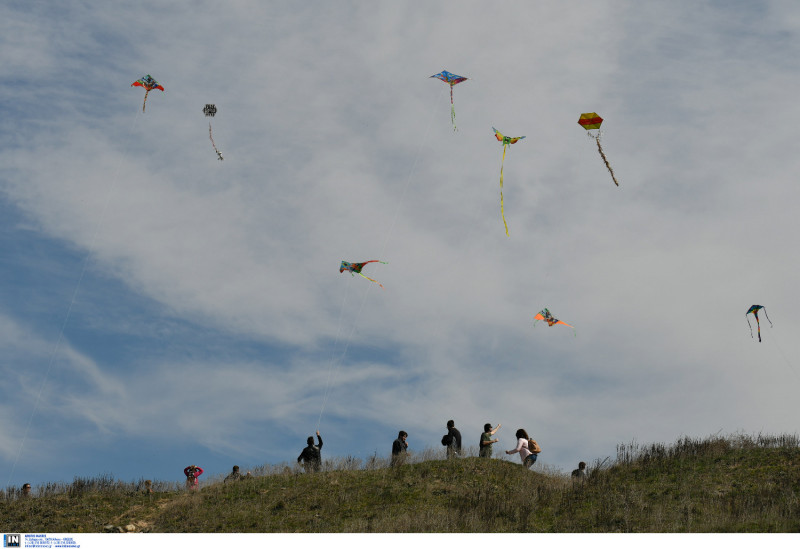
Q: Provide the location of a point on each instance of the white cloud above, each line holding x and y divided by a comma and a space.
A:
338, 146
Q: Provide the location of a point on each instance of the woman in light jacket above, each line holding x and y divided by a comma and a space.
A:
528, 458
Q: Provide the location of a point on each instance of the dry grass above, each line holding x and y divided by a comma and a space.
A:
719, 484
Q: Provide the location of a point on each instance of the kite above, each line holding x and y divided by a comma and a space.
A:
506, 141
545, 315
591, 121
211, 110
148, 83
452, 79
754, 309
355, 269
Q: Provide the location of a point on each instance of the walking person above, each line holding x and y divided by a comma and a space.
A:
453, 440
485, 446
527, 448
311, 456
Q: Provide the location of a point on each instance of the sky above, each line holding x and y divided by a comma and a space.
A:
160, 307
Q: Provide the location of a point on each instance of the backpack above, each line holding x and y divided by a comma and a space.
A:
447, 440
533, 447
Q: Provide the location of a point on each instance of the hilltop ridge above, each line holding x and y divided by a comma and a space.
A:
732, 484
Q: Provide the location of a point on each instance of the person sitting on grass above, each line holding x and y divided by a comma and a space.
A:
234, 475
580, 472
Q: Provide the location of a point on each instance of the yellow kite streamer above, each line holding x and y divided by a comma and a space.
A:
506, 141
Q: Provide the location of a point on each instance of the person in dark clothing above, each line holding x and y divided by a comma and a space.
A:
236, 475
399, 449
454, 448
580, 472
311, 456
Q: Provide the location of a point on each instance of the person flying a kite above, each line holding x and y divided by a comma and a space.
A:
452, 79
148, 83
506, 141
591, 121
754, 309
355, 269
545, 315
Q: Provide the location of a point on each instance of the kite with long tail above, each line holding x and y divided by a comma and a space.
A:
506, 142
452, 79
754, 309
211, 110
591, 121
148, 83
355, 269
545, 315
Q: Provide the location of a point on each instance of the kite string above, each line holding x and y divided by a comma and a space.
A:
783, 355
335, 363
57, 346
333, 353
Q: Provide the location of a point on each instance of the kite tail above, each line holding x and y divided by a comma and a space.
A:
603, 155
372, 279
219, 154
452, 110
145, 99
750, 325
759, 329
765, 314
502, 208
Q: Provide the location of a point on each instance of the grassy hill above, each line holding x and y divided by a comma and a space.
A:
733, 484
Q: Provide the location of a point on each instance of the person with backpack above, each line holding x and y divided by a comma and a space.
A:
485, 446
311, 456
527, 448
452, 440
